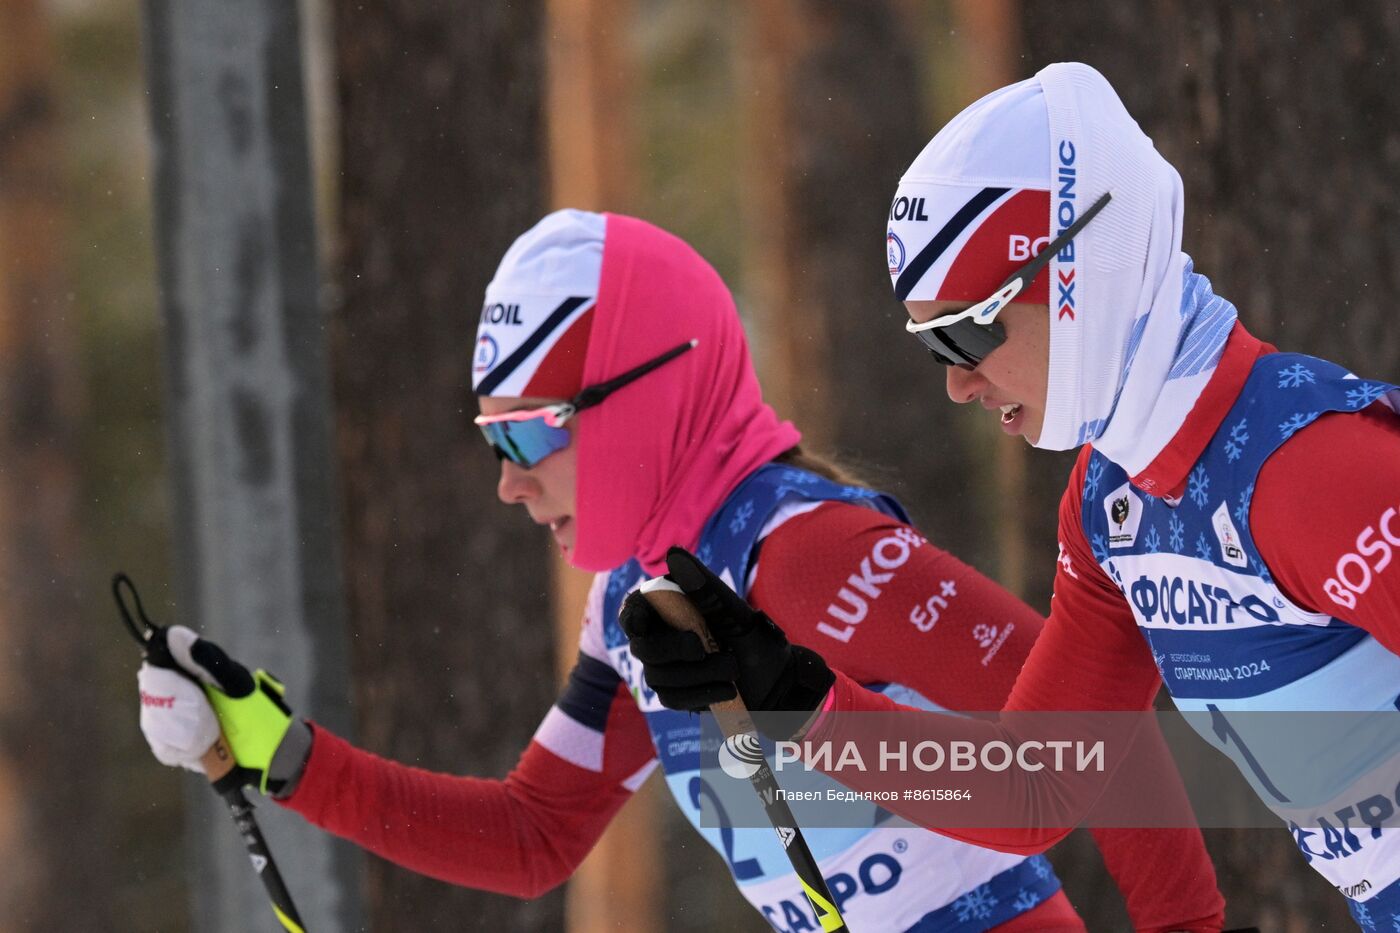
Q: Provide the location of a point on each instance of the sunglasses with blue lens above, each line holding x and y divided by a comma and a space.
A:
526, 437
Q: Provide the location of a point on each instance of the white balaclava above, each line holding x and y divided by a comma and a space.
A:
1128, 357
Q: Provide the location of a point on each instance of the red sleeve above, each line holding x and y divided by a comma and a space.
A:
875, 599
520, 836
882, 605
1091, 655
1324, 517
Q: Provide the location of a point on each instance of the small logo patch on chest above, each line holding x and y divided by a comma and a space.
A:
1124, 508
1230, 550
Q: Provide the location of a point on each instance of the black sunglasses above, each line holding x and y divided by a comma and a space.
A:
964, 338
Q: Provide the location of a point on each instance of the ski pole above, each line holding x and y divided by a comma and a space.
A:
741, 740
218, 762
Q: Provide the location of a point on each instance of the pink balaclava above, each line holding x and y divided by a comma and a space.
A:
660, 455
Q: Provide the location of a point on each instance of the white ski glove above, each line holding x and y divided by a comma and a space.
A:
181, 719
176, 718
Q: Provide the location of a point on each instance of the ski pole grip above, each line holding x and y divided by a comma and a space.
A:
670, 602
218, 761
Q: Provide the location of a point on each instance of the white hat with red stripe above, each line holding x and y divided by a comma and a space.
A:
533, 334
975, 205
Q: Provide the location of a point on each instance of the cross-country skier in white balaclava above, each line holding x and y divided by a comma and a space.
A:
1232, 523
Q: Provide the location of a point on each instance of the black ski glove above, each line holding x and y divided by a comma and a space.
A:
770, 673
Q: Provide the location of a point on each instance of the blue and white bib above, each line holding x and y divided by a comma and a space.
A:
1228, 641
882, 878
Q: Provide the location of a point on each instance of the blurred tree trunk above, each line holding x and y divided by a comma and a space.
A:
836, 114
591, 164
1285, 126
50, 789
790, 340
990, 49
247, 404
442, 154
